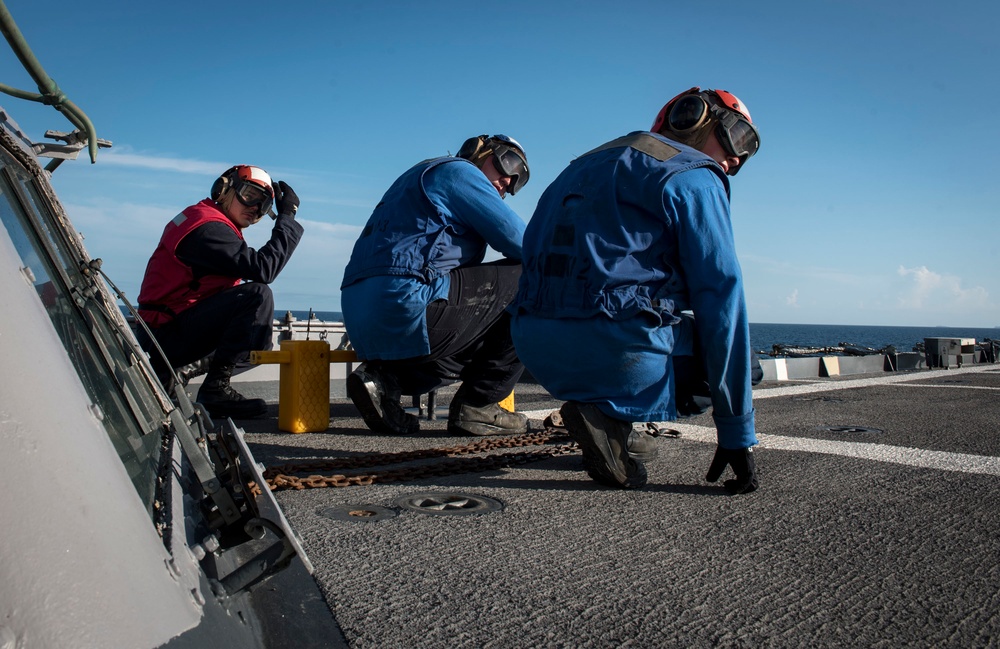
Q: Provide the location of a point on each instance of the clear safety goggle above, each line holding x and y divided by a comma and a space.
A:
253, 195
509, 161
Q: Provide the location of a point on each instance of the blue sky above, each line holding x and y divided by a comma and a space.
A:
873, 199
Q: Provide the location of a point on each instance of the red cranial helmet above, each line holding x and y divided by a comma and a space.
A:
695, 109
252, 186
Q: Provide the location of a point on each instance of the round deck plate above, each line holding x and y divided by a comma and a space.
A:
449, 504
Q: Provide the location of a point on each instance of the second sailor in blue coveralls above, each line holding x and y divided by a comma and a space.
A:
631, 304
420, 306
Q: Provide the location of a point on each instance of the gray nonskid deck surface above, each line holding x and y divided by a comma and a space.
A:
854, 538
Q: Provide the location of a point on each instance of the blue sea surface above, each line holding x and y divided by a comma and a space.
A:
763, 336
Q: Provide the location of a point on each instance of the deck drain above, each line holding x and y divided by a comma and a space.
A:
852, 429
449, 504
357, 513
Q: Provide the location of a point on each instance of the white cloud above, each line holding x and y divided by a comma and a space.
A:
182, 165
866, 294
924, 288
335, 229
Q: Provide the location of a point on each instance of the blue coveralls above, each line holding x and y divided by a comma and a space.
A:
435, 220
625, 239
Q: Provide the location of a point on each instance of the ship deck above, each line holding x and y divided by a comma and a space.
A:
875, 524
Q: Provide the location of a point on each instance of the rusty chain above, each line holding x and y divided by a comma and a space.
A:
279, 477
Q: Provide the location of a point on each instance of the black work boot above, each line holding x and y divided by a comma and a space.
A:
378, 405
604, 441
221, 400
490, 419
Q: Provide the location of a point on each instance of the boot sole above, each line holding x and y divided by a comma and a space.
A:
482, 430
603, 464
371, 411
250, 409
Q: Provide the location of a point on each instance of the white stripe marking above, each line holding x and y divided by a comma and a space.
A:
878, 379
915, 457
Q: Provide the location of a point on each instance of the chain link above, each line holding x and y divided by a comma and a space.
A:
653, 430
279, 477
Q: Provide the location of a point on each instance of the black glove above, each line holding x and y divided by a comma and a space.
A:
741, 459
285, 199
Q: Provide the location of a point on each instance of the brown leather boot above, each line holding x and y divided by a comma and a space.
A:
490, 419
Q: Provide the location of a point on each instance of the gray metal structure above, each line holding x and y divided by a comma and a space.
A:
130, 518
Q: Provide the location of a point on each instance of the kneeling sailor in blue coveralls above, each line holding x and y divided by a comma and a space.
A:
420, 306
628, 241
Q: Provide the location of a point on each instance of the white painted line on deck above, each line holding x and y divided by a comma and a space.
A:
879, 379
916, 457
829, 386
921, 458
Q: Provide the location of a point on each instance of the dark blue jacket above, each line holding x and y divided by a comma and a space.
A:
597, 249
424, 230
623, 240
439, 215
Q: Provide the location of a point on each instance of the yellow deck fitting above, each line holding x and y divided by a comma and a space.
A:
303, 383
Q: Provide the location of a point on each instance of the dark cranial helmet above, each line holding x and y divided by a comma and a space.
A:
508, 157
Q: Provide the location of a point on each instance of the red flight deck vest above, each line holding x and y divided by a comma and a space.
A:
169, 286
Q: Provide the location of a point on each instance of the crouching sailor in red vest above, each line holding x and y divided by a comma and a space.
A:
194, 297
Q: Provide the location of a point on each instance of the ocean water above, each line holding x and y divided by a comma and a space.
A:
763, 336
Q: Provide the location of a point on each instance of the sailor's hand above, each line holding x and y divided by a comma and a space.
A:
285, 199
742, 462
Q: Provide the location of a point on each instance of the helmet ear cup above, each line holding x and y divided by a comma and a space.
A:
218, 187
221, 184
688, 114
471, 147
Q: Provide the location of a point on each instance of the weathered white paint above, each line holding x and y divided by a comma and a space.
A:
80, 562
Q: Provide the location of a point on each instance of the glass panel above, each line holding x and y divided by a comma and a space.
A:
95, 350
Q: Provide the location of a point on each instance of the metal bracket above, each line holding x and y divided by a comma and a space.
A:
74, 143
203, 469
263, 515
